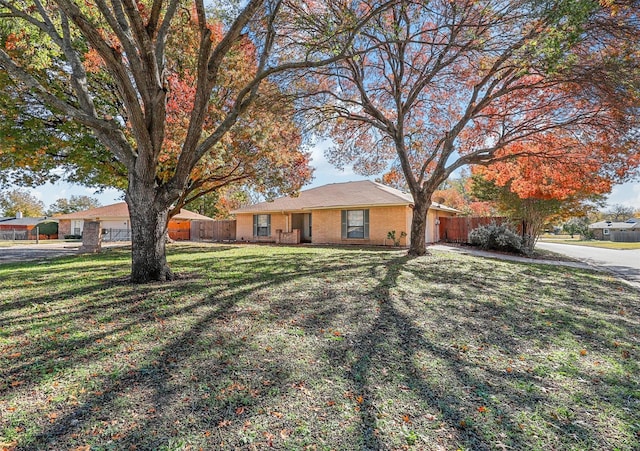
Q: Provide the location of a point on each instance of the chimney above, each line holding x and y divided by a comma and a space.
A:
18, 215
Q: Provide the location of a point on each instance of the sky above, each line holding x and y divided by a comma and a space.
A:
627, 194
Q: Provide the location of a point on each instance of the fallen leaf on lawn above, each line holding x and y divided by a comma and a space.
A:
224, 423
359, 399
16, 383
331, 403
207, 433
482, 409
406, 418
240, 410
15, 355
285, 433
583, 352
276, 414
509, 370
625, 354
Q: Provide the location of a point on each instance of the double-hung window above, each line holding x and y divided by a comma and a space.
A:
261, 225
355, 224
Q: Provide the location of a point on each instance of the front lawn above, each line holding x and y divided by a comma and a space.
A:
317, 348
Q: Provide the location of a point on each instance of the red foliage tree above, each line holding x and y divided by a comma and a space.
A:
553, 176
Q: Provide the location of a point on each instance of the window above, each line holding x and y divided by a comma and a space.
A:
261, 225
355, 224
605, 231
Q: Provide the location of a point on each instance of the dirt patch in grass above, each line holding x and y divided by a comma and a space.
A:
317, 348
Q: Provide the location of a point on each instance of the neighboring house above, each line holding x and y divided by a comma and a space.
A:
116, 225
362, 212
20, 228
604, 229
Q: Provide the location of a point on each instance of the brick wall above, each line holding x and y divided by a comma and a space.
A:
244, 227
64, 227
327, 228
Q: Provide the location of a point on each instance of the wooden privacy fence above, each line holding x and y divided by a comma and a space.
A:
223, 230
180, 230
456, 229
625, 237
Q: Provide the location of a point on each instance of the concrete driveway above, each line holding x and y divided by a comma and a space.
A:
45, 250
35, 252
624, 263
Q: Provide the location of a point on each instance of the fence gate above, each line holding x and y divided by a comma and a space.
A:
223, 230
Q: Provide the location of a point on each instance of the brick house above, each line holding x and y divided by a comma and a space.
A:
116, 225
604, 230
361, 212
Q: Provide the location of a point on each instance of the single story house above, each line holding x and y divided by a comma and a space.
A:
22, 228
362, 212
602, 230
116, 225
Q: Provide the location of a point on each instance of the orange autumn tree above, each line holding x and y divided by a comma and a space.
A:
176, 99
264, 149
553, 177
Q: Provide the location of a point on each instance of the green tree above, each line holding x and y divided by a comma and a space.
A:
72, 204
17, 201
577, 226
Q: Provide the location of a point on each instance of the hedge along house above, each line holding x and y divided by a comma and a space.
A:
362, 212
116, 225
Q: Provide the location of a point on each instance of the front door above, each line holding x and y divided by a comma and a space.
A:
302, 221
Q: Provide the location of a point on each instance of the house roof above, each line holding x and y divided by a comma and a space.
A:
339, 195
121, 210
628, 224
25, 221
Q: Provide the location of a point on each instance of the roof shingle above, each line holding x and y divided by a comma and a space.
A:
336, 195
121, 210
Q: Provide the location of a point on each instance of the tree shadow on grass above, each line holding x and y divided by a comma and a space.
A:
329, 349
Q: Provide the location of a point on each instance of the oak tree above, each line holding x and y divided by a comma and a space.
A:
435, 86
17, 201
171, 118
72, 205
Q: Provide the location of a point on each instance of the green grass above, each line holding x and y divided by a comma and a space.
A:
596, 243
317, 348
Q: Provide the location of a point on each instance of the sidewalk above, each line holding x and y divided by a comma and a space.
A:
509, 257
536, 261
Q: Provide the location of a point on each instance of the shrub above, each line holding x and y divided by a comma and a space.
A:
47, 228
494, 236
392, 236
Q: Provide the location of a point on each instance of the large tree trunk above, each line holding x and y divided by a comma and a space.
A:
149, 233
419, 226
